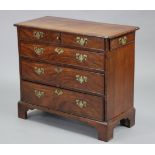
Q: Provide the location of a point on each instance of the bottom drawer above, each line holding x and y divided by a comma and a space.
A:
63, 100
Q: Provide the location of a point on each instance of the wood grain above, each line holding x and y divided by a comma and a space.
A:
94, 61
92, 42
65, 79
65, 102
49, 36
78, 26
119, 79
49, 80
104, 129
114, 43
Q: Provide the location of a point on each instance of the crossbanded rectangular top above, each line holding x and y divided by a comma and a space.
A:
79, 26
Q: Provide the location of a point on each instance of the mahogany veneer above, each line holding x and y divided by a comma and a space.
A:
79, 70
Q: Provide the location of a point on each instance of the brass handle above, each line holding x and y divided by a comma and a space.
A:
38, 34
38, 50
58, 92
81, 79
39, 93
39, 70
81, 57
122, 40
81, 103
59, 50
58, 69
81, 41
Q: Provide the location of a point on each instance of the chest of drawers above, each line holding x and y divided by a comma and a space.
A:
79, 70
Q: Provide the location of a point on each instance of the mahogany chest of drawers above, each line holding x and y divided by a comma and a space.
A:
79, 70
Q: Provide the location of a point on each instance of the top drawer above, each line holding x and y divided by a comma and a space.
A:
82, 41
39, 35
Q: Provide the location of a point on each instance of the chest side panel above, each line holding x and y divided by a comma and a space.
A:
119, 79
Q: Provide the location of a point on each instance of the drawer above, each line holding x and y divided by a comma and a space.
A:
63, 77
61, 55
63, 100
38, 35
83, 41
122, 41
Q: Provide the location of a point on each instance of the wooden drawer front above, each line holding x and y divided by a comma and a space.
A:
63, 77
63, 100
83, 41
61, 55
39, 35
122, 41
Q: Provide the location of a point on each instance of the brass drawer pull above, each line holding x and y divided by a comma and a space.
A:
81, 41
58, 92
81, 57
38, 34
38, 50
59, 50
38, 93
58, 70
122, 40
81, 79
39, 70
81, 103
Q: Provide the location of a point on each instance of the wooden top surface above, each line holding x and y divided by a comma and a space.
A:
78, 26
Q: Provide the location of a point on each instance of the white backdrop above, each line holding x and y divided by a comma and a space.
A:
45, 128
